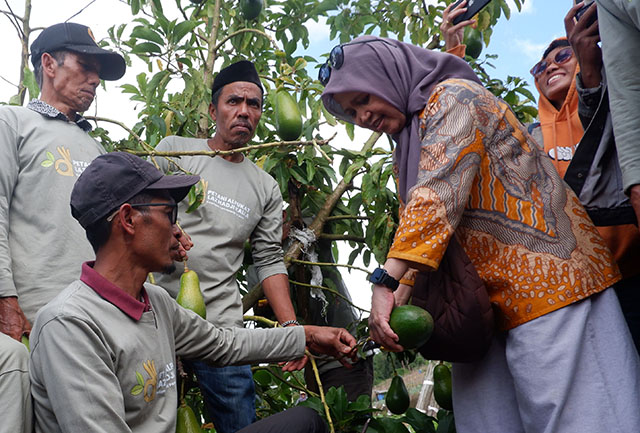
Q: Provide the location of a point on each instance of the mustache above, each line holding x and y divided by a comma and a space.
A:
244, 123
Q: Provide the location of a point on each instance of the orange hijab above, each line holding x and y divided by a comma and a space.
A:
561, 129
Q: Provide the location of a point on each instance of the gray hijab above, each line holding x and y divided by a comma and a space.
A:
402, 74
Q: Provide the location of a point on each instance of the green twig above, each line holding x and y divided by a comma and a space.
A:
335, 292
304, 262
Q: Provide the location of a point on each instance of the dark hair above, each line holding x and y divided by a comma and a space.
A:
98, 233
59, 56
555, 44
216, 96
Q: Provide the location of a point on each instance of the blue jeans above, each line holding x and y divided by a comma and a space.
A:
229, 395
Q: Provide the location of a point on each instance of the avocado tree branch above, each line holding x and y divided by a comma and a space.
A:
239, 32
212, 153
295, 249
213, 13
324, 401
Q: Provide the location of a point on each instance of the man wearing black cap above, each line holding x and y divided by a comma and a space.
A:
45, 147
103, 351
241, 202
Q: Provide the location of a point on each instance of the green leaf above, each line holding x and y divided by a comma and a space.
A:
350, 130
419, 421
181, 30
137, 389
135, 7
29, 81
146, 47
46, 163
139, 379
146, 33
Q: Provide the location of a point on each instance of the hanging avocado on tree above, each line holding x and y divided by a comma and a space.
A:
288, 117
397, 397
250, 8
442, 386
190, 296
473, 41
187, 422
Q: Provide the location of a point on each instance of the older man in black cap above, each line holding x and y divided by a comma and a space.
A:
45, 147
241, 202
104, 349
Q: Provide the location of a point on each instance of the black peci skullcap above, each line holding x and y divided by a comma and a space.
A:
243, 70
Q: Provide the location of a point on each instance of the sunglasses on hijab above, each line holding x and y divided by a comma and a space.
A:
561, 57
336, 59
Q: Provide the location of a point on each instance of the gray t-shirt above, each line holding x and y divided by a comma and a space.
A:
241, 202
96, 369
41, 245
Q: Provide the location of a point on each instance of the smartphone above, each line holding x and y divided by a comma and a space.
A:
473, 7
583, 9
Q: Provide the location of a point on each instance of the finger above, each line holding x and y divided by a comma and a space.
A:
462, 5
463, 24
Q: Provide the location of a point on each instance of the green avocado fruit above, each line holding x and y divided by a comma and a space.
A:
412, 324
187, 422
473, 41
397, 397
288, 118
250, 8
442, 386
190, 296
25, 341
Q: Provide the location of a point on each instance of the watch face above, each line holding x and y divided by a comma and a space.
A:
377, 275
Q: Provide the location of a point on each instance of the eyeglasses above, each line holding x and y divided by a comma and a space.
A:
562, 57
336, 59
173, 216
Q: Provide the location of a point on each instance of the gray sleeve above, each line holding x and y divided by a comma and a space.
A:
588, 101
9, 169
198, 338
164, 146
266, 239
77, 382
621, 55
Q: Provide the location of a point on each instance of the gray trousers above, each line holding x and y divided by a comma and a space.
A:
619, 22
15, 391
574, 370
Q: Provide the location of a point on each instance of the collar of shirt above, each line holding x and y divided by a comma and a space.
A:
47, 110
113, 294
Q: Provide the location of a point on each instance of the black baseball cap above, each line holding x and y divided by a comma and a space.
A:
79, 39
113, 178
243, 70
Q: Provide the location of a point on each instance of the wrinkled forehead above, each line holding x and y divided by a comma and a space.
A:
242, 88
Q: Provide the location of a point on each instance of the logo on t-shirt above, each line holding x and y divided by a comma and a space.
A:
63, 164
227, 204
156, 383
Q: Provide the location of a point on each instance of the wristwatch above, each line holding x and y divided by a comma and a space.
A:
380, 276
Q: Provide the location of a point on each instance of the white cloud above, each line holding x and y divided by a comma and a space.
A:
318, 31
531, 50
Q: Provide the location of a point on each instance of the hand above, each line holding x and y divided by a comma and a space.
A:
402, 294
296, 364
186, 244
13, 322
634, 196
382, 303
453, 34
327, 340
584, 38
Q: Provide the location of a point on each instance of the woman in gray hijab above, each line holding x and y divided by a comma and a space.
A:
563, 359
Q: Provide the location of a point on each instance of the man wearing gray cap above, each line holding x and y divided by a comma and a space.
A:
45, 146
103, 350
241, 202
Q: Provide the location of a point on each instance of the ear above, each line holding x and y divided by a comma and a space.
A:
49, 65
126, 218
212, 111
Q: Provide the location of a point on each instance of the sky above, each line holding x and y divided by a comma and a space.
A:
518, 42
